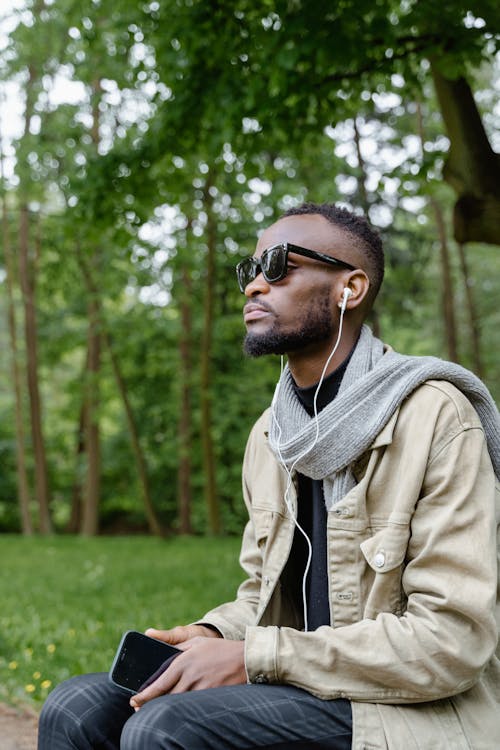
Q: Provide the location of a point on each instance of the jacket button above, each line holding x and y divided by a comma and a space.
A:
379, 560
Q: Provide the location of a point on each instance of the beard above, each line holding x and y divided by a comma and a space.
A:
317, 326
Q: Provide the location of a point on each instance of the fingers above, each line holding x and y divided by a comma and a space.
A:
204, 663
164, 684
182, 633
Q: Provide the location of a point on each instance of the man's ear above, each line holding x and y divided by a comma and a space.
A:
357, 285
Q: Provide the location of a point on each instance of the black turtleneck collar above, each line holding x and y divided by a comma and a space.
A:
329, 389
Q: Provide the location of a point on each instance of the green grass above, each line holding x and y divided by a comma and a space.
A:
65, 601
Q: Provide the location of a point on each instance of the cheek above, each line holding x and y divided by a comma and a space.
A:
297, 308
299, 299
308, 307
316, 301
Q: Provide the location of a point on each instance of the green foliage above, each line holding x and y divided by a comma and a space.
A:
66, 601
190, 108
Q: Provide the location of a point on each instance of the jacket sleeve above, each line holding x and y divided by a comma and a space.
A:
441, 642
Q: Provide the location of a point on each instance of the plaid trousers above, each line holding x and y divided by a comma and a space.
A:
89, 713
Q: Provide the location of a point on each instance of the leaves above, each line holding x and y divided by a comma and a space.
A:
131, 108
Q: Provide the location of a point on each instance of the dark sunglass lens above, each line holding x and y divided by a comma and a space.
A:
245, 272
273, 262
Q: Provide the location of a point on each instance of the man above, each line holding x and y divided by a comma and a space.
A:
367, 616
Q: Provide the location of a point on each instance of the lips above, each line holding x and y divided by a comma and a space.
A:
255, 311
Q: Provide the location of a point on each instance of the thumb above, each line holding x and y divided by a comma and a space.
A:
175, 635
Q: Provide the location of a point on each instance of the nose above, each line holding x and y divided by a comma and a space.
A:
258, 286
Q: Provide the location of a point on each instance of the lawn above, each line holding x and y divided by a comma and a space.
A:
65, 601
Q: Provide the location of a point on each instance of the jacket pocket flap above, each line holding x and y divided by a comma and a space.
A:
386, 549
262, 520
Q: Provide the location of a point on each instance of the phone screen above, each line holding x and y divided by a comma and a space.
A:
137, 658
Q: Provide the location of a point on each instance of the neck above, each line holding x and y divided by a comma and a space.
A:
307, 364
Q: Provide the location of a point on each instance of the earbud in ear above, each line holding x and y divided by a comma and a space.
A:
345, 296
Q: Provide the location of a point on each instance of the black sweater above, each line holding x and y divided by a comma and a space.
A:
312, 517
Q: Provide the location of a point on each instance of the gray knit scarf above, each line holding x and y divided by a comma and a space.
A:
374, 385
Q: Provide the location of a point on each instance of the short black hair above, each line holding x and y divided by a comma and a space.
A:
356, 225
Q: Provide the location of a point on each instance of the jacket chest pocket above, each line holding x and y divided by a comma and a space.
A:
381, 580
273, 535
269, 526
261, 523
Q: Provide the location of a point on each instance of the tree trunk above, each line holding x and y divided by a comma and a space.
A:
75, 518
27, 274
154, 523
374, 318
471, 314
210, 488
363, 195
448, 290
184, 495
472, 167
23, 491
90, 515
92, 440
140, 460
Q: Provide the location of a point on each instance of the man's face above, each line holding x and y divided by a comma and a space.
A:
300, 312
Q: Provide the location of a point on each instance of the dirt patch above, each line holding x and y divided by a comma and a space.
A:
18, 728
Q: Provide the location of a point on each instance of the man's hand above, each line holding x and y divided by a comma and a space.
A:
208, 661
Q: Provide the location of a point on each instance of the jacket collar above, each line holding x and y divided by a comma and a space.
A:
385, 435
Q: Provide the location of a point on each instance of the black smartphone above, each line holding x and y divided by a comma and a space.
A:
137, 658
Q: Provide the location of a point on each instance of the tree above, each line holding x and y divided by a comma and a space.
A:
17, 380
217, 64
472, 168
29, 254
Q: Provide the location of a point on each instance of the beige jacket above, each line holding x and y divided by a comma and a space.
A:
412, 583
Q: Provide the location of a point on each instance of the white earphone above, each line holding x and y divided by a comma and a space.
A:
345, 296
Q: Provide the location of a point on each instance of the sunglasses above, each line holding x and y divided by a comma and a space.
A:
273, 263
